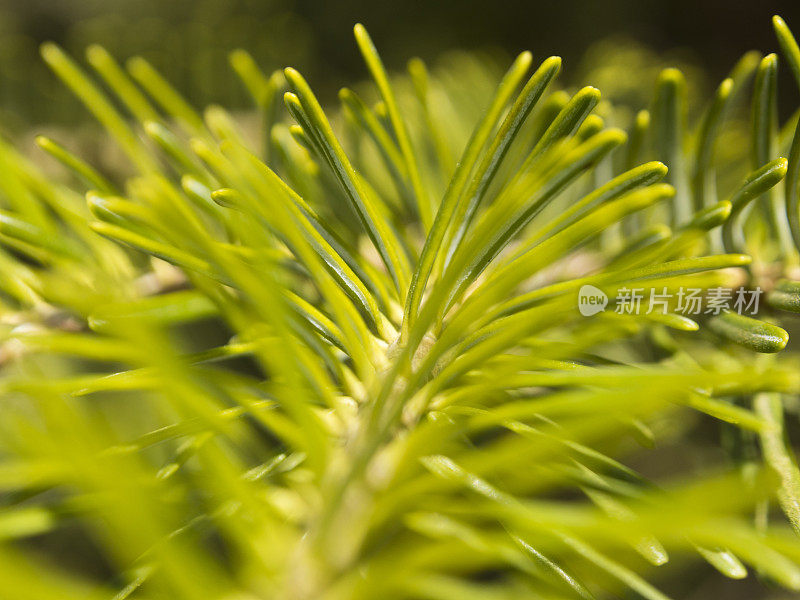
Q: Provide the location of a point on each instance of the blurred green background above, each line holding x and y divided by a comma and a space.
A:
189, 39
189, 42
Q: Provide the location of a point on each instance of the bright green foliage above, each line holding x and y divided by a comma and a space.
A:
341, 357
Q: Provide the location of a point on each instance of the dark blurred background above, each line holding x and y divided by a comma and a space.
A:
189, 39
